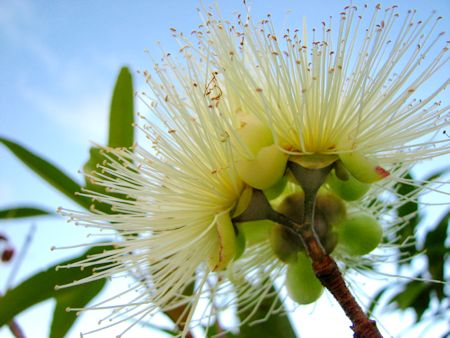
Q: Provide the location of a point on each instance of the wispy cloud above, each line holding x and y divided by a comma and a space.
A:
84, 117
66, 90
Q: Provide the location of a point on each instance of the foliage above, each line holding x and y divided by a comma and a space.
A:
426, 288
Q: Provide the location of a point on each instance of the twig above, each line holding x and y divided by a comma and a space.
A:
324, 266
19, 260
15, 329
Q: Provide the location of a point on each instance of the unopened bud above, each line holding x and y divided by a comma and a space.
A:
253, 133
277, 189
285, 243
350, 190
301, 283
331, 207
255, 231
359, 234
240, 245
340, 171
265, 170
329, 210
362, 168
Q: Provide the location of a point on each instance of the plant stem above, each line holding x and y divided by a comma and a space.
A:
329, 275
15, 329
324, 266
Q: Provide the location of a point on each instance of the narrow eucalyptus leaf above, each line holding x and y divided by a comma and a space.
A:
41, 286
76, 297
121, 131
22, 212
49, 172
276, 326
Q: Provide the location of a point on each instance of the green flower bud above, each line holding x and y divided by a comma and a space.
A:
349, 190
254, 134
285, 243
330, 210
226, 244
240, 245
265, 170
359, 234
301, 283
255, 231
330, 207
362, 168
277, 189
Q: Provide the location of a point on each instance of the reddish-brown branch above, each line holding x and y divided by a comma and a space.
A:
324, 266
15, 329
328, 273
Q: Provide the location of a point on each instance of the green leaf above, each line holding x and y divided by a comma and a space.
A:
48, 172
404, 210
22, 212
437, 253
415, 295
121, 131
41, 287
275, 326
75, 297
375, 300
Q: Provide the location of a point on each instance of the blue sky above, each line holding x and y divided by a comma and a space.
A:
58, 63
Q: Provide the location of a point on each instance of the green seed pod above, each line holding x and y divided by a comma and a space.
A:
359, 234
285, 243
349, 190
265, 170
362, 168
226, 244
301, 283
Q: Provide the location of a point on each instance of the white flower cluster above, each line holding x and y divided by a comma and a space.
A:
230, 117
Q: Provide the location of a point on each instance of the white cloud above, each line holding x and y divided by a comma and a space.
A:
18, 27
84, 117
68, 92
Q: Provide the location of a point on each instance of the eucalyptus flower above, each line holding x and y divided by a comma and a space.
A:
233, 116
347, 92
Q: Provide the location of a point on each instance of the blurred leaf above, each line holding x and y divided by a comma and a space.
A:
75, 297
41, 287
48, 172
22, 212
404, 210
374, 303
121, 131
90, 167
437, 253
415, 295
276, 326
214, 332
